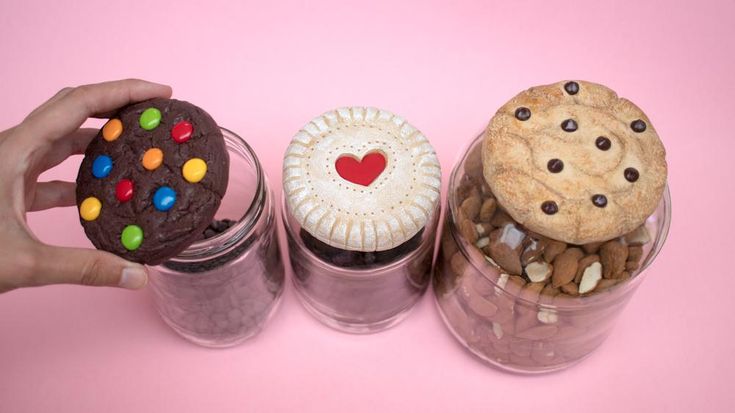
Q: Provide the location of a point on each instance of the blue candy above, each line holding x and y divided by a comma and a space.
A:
164, 198
102, 166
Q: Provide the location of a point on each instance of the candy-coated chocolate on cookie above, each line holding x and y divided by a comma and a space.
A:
137, 198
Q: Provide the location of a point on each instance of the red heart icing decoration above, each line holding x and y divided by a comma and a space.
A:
362, 172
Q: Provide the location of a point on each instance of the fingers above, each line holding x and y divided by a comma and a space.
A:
68, 110
73, 143
53, 194
57, 265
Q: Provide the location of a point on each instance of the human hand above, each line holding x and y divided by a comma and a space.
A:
49, 135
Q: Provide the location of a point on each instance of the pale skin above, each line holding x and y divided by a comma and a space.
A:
44, 139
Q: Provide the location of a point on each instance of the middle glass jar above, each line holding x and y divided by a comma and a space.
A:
361, 193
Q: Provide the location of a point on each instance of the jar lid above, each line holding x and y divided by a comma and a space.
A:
361, 179
574, 162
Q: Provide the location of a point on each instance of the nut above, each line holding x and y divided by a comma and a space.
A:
565, 266
635, 253
504, 248
497, 330
468, 231
583, 264
552, 249
631, 266
592, 275
533, 251
531, 291
638, 236
481, 306
483, 229
605, 283
570, 288
613, 255
547, 316
488, 209
538, 271
502, 281
592, 247
482, 242
501, 218
471, 207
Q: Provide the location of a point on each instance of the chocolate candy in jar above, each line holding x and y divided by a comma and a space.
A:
361, 204
155, 187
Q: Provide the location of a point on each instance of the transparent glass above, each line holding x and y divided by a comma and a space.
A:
360, 298
222, 290
512, 322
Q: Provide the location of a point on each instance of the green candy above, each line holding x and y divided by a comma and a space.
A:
132, 237
150, 118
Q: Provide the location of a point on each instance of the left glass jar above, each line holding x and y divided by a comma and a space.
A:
222, 289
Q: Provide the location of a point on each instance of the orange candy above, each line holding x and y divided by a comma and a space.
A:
152, 158
112, 130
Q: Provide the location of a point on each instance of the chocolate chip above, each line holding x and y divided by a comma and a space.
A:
599, 200
549, 207
569, 125
571, 87
523, 113
555, 165
631, 174
638, 125
603, 143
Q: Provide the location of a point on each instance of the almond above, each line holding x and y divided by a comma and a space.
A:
504, 249
531, 291
547, 316
631, 266
471, 207
483, 229
571, 289
583, 264
501, 218
468, 231
488, 209
565, 266
481, 306
552, 249
639, 236
482, 242
592, 247
605, 283
538, 271
533, 251
635, 253
591, 276
613, 255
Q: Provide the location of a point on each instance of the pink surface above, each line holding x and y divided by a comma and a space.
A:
265, 69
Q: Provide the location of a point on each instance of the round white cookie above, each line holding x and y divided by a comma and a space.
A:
361, 179
575, 162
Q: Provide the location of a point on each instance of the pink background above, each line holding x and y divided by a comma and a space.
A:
264, 69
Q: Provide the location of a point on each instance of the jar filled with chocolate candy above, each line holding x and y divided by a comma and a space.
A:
223, 288
361, 205
554, 213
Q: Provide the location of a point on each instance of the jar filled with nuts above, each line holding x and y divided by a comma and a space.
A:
554, 212
361, 206
223, 288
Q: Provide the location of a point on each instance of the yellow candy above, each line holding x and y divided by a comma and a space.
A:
194, 170
152, 158
90, 208
112, 130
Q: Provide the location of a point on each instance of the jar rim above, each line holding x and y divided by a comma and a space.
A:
573, 302
427, 242
245, 225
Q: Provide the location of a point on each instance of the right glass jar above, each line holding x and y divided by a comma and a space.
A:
501, 290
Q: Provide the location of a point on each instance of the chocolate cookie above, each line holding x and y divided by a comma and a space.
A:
574, 162
152, 180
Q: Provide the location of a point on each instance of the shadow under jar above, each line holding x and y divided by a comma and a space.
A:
514, 315
356, 291
223, 288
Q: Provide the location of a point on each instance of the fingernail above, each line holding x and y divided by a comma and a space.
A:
133, 278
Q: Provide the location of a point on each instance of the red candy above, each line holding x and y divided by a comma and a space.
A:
124, 190
181, 132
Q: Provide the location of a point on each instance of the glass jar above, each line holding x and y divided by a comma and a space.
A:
360, 292
516, 322
223, 289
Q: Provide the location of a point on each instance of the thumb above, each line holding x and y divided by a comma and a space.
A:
60, 265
